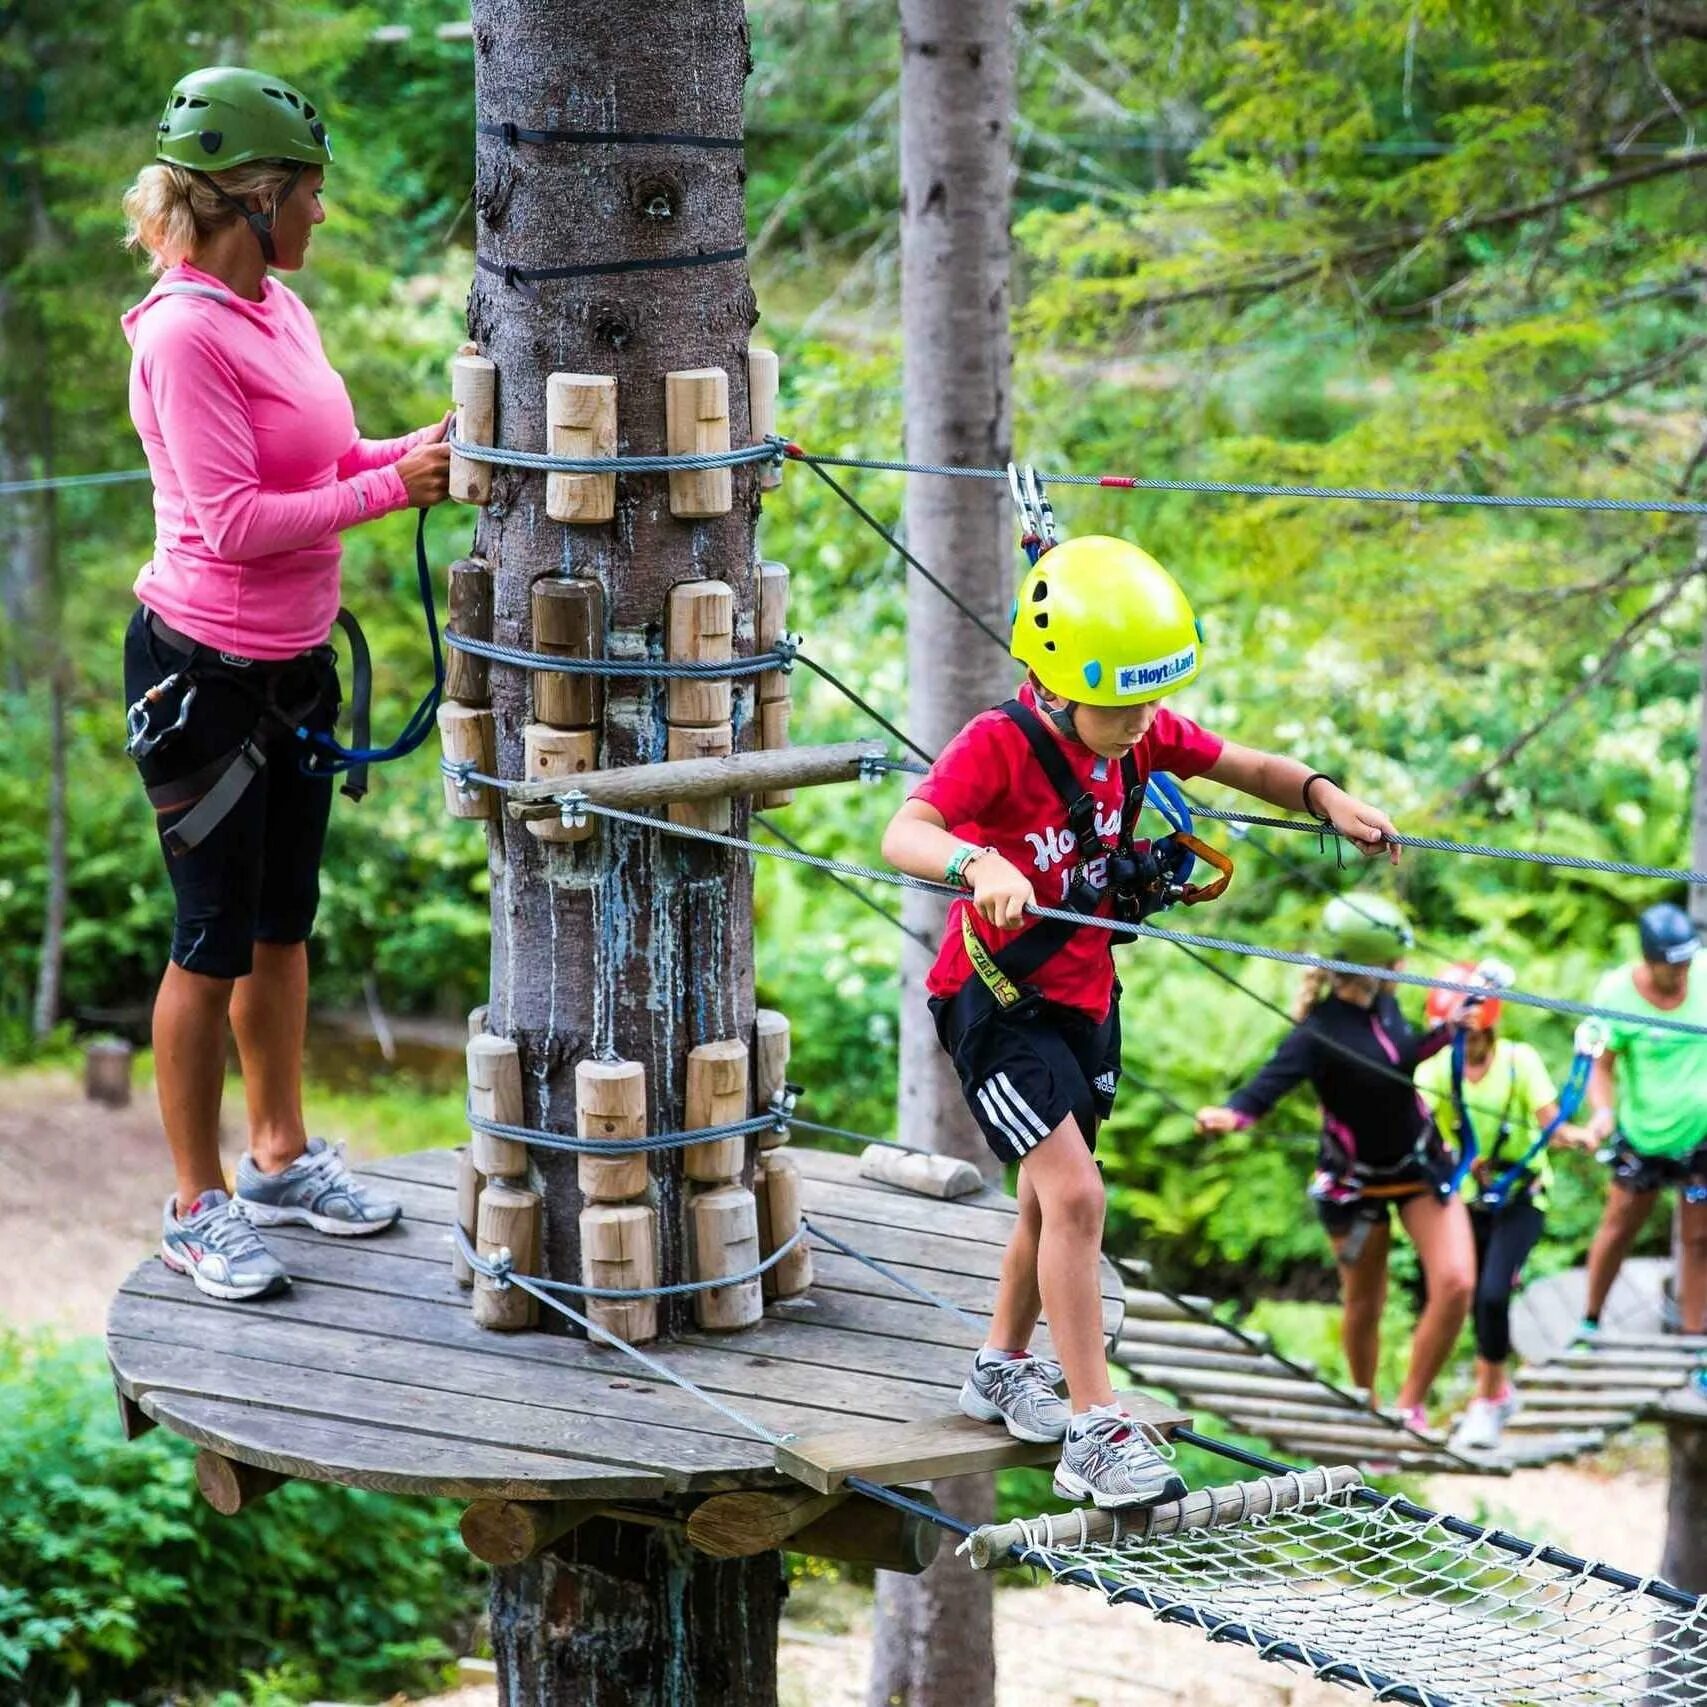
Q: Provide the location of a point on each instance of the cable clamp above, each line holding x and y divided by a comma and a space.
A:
783, 1104
873, 767
786, 648
499, 1266
573, 808
462, 773
781, 449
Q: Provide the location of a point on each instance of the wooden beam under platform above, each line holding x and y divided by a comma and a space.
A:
947, 1445
639, 788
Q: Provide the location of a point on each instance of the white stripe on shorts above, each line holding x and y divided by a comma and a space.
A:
1004, 1122
1025, 1109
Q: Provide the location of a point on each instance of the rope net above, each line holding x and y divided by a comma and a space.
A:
1320, 1571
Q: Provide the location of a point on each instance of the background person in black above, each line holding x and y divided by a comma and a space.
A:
1380, 1149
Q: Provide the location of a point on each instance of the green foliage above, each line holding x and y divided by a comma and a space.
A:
118, 1583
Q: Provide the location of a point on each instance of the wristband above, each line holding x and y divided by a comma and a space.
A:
1304, 794
955, 871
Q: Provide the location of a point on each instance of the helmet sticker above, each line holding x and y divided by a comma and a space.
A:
1157, 673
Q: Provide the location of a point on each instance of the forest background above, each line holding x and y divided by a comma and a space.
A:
1397, 243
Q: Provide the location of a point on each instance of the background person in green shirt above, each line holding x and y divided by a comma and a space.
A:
1650, 1089
1509, 1099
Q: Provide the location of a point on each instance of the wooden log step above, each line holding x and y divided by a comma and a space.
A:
1234, 1360
1696, 1343
736, 1526
1550, 1422
1324, 1410
1567, 1398
1383, 1442
1159, 1307
947, 1445
1655, 1360
1199, 1336
1205, 1384
1566, 1375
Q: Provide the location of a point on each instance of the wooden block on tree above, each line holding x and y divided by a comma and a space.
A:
469, 736
696, 422
619, 1247
716, 742
467, 1213
763, 376
495, 1093
861, 1531
700, 629
568, 622
510, 1532
565, 753
740, 1525
106, 1072
477, 1017
773, 737
771, 625
468, 610
231, 1486
580, 421
474, 391
948, 1445
929, 1176
776, 1187
716, 1096
509, 1220
771, 1044
725, 1237
610, 1102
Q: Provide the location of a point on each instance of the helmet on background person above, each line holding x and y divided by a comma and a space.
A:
227, 115
1099, 621
1368, 929
1483, 1013
1668, 936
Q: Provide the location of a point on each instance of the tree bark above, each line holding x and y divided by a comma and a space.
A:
630, 945
1679, 1670
933, 1645
587, 1621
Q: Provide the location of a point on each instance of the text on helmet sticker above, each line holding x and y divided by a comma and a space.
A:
1157, 673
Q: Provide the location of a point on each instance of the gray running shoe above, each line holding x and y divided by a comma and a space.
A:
317, 1190
1112, 1460
1020, 1392
217, 1248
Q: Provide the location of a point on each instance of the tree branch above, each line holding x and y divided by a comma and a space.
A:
1298, 268
1628, 380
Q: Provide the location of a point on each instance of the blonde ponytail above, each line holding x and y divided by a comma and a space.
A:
170, 211
1311, 988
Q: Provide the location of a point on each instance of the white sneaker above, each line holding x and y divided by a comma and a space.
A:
1482, 1424
1112, 1460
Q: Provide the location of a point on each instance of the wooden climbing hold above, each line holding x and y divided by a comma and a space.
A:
474, 392
771, 1043
716, 1096
911, 1170
619, 1249
700, 629
467, 1214
696, 423
468, 736
774, 692
468, 610
724, 1225
568, 622
495, 1094
561, 755
580, 422
763, 375
681, 744
610, 1102
509, 1221
776, 1187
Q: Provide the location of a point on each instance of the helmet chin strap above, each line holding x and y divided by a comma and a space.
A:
262, 223
1062, 718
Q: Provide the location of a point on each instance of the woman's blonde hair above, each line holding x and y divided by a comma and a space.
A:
169, 211
1318, 981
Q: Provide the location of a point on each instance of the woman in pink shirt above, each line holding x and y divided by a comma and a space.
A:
257, 469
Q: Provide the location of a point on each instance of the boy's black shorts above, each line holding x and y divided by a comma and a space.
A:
1637, 1171
256, 878
1023, 1076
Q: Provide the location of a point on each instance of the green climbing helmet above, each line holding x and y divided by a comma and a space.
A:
225, 115
1366, 928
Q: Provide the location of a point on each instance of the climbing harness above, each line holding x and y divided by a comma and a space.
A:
1589, 1046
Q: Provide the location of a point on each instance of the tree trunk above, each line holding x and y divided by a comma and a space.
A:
1680, 1658
624, 1615
52, 963
1698, 894
933, 1645
630, 945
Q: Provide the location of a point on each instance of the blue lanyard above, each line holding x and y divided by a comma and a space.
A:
1590, 1043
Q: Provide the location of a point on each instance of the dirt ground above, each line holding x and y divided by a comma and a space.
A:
80, 1195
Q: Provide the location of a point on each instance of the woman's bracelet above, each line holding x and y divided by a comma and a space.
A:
1304, 794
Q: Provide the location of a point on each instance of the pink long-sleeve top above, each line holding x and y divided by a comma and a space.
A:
256, 463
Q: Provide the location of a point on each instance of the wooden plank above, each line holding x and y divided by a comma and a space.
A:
1208, 1383
1539, 1422
685, 1458
1142, 1306
421, 1167
1630, 1399
1191, 1336
719, 1364
1237, 1361
1696, 1343
1324, 1410
1585, 1379
1644, 1361
358, 1456
947, 1445
1373, 1438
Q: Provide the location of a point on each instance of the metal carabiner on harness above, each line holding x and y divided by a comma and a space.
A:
142, 740
1036, 515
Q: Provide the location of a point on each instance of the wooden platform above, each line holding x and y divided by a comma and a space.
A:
371, 1371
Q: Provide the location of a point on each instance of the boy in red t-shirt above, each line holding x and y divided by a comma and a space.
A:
1028, 1010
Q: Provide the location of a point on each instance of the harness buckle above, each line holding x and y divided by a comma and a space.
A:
141, 740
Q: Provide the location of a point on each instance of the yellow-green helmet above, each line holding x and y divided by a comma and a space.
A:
225, 115
1101, 622
1368, 929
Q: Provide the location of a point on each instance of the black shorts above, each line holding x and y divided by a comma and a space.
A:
1022, 1076
1640, 1173
1430, 1174
256, 877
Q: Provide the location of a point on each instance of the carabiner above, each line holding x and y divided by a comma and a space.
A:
141, 741
1190, 894
1036, 515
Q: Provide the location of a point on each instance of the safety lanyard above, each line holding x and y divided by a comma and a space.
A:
1590, 1044
1468, 1147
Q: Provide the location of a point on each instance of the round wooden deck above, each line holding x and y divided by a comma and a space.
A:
371, 1371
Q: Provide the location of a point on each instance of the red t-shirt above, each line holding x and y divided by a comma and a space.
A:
990, 789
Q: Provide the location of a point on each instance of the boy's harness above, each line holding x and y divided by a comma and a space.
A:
1144, 876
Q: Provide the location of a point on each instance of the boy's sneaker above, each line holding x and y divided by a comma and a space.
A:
1586, 1337
317, 1190
216, 1247
1017, 1391
1111, 1460
1484, 1419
